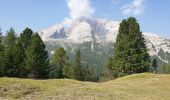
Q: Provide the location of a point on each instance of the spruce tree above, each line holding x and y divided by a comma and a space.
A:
22, 44
36, 60
10, 41
120, 46
138, 56
25, 37
131, 55
19, 58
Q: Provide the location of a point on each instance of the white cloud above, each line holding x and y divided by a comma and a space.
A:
80, 8
135, 8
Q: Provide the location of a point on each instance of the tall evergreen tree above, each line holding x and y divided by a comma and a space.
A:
1, 55
59, 60
120, 46
131, 54
78, 67
19, 59
154, 65
10, 41
22, 44
36, 60
25, 37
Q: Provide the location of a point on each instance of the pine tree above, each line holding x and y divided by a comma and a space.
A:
154, 65
36, 60
10, 41
19, 59
120, 46
22, 44
59, 60
131, 54
25, 37
138, 56
1, 55
78, 67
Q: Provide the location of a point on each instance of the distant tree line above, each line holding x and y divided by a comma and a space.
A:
61, 68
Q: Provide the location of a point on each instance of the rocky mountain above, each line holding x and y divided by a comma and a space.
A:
99, 30
83, 30
95, 38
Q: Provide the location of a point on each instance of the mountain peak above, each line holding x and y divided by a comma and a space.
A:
99, 30
83, 29
55, 32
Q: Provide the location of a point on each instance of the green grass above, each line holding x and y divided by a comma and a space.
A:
143, 86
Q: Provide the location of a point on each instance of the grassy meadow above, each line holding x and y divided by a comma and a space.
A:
145, 86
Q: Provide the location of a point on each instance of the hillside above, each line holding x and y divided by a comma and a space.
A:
134, 87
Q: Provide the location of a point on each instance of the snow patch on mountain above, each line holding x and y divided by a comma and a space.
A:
84, 34
55, 32
83, 29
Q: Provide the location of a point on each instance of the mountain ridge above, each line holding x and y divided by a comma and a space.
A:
100, 30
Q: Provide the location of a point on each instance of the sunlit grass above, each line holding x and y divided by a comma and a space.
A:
143, 86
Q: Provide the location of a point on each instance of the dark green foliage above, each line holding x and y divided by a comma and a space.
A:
36, 60
23, 43
86, 74
110, 68
19, 53
131, 54
165, 69
23, 56
78, 67
78, 58
155, 65
69, 72
82, 73
10, 42
59, 61
25, 38
1, 55
61, 68
95, 59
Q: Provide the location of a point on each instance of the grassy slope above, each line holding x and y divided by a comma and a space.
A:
134, 87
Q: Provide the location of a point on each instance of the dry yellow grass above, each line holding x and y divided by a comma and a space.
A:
144, 86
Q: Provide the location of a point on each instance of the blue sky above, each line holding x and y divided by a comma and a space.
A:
153, 15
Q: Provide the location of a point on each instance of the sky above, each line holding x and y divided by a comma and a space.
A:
152, 15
